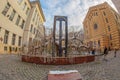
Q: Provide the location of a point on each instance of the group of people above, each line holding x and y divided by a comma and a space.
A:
105, 52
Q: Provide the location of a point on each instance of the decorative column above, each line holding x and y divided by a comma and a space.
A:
66, 37
60, 39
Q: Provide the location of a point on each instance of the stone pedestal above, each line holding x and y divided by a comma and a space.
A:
57, 60
64, 75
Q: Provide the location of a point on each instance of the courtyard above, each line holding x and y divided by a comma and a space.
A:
11, 68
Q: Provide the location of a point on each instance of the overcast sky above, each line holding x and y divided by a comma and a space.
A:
76, 10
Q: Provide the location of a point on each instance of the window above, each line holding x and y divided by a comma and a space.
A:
18, 20
111, 44
20, 1
34, 30
13, 48
13, 39
106, 20
27, 11
110, 37
104, 13
7, 7
6, 37
24, 6
12, 15
5, 48
36, 19
116, 16
19, 42
34, 15
95, 26
96, 14
0, 29
108, 28
23, 23
19, 49
16, 49
31, 28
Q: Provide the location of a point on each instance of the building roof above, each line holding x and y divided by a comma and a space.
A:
38, 2
94, 8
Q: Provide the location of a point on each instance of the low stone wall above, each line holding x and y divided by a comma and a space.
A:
57, 61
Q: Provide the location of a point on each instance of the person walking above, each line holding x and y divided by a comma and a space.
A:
93, 51
115, 52
105, 53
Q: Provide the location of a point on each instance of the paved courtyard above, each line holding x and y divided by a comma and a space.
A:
11, 68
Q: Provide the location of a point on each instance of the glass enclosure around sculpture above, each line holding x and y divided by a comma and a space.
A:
58, 43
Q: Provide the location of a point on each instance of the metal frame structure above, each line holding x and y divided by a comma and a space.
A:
60, 19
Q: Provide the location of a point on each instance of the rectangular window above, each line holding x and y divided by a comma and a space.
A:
31, 28
110, 37
16, 49
13, 48
27, 11
108, 28
0, 29
96, 14
116, 16
19, 42
18, 20
104, 13
6, 37
19, 49
24, 6
34, 15
10, 48
20, 1
34, 30
111, 44
23, 24
13, 39
106, 20
12, 15
36, 19
5, 48
7, 7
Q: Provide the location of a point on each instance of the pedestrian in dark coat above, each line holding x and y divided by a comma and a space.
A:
93, 51
115, 52
105, 52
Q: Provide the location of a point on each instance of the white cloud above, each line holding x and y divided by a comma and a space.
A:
76, 10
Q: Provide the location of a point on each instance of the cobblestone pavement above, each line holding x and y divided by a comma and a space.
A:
11, 68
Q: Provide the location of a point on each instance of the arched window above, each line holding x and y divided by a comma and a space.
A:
95, 26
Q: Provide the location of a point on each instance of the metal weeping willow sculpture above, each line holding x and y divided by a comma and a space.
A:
60, 48
53, 51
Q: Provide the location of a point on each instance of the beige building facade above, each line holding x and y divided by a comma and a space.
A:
102, 27
14, 16
117, 4
34, 26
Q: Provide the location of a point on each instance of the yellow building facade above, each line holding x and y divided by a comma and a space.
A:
34, 26
14, 17
102, 27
